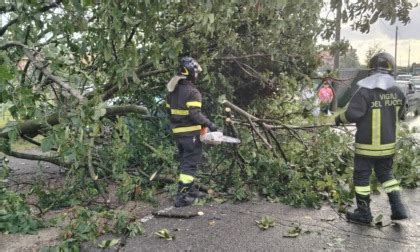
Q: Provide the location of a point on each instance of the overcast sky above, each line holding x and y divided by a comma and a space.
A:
383, 34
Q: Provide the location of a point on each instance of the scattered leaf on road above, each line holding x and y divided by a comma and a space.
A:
265, 223
108, 243
293, 231
220, 200
199, 202
164, 234
331, 218
380, 221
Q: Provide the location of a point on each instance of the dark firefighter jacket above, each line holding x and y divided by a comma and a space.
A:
376, 113
184, 104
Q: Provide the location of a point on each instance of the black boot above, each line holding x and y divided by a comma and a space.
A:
183, 198
362, 214
397, 207
195, 192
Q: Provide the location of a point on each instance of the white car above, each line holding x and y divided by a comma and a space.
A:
412, 96
416, 81
404, 77
403, 85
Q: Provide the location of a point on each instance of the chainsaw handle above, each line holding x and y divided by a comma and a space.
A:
204, 130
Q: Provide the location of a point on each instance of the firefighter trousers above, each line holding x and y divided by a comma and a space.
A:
363, 169
190, 153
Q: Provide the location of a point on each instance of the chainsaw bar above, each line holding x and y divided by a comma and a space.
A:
232, 140
217, 138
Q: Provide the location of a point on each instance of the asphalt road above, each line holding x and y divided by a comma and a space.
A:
232, 227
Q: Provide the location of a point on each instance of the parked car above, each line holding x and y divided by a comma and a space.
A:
412, 97
404, 77
416, 81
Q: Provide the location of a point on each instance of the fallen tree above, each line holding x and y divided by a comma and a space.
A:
84, 83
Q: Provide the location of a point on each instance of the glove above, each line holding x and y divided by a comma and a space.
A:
338, 121
213, 127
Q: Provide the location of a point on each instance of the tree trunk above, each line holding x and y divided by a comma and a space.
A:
32, 128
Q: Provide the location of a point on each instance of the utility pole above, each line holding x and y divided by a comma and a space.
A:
337, 34
409, 52
337, 54
395, 55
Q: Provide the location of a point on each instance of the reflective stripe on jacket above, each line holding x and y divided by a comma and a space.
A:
376, 113
184, 105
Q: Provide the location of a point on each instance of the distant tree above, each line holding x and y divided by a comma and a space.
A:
361, 14
350, 59
375, 49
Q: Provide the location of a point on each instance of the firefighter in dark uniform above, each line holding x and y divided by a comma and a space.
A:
184, 105
376, 108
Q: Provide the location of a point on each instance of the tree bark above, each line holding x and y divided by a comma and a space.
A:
52, 159
32, 128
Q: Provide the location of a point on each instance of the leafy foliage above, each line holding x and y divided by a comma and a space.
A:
66, 65
350, 59
86, 225
15, 214
407, 160
265, 223
293, 231
108, 243
373, 50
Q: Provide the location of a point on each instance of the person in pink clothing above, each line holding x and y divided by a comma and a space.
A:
325, 95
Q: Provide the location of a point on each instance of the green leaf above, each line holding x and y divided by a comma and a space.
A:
211, 18
129, 21
107, 54
294, 231
374, 17
164, 234
86, 3
6, 73
135, 229
100, 111
47, 143
108, 243
380, 221
265, 223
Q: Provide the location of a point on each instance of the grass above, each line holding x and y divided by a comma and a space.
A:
5, 117
20, 144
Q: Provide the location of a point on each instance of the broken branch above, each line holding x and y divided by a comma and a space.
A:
53, 159
32, 128
268, 145
239, 110
175, 215
48, 74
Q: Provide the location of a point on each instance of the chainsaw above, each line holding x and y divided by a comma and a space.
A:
216, 137
207, 137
